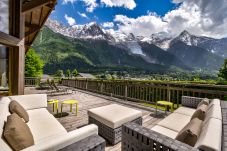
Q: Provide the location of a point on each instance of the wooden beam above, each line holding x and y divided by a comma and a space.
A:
29, 6
8, 40
16, 54
32, 29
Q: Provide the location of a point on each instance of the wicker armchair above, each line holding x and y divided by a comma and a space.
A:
138, 138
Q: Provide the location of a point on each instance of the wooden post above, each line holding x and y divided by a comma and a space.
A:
126, 90
168, 93
17, 54
86, 84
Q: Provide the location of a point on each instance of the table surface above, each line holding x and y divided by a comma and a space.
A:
165, 103
70, 102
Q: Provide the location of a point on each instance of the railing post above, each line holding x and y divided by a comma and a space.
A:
126, 90
168, 92
86, 85
101, 87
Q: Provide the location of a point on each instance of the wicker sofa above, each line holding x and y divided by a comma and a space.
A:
47, 132
162, 136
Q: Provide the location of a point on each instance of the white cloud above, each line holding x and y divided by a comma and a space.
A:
82, 15
199, 17
68, 1
71, 21
90, 4
129, 4
108, 24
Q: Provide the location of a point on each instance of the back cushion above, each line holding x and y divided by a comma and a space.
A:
4, 110
215, 102
210, 136
38, 100
213, 111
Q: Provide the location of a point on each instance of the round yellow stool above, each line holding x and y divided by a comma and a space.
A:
55, 104
70, 102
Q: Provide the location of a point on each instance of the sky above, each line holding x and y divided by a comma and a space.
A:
146, 17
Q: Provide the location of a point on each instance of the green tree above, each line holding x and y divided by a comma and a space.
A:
59, 73
75, 73
68, 73
223, 71
33, 64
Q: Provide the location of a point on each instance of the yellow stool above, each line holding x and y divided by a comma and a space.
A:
55, 104
166, 104
70, 102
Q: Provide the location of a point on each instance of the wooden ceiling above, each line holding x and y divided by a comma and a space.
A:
36, 13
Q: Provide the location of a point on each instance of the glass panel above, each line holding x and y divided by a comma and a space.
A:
3, 68
4, 16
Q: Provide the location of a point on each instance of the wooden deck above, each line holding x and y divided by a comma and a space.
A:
88, 100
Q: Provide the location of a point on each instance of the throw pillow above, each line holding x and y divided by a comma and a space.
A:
15, 107
204, 101
17, 133
200, 112
190, 133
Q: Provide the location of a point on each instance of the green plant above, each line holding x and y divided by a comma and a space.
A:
33, 64
223, 70
68, 73
75, 73
59, 73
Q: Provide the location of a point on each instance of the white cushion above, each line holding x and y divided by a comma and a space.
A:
61, 141
215, 102
114, 115
38, 113
214, 111
185, 110
4, 110
165, 131
210, 136
45, 127
32, 101
175, 121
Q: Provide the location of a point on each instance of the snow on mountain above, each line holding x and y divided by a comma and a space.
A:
162, 39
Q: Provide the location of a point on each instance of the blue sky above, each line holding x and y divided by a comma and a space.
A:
103, 13
146, 17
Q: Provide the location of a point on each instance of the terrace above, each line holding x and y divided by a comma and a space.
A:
88, 100
23, 21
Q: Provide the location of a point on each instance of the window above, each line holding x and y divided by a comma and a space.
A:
4, 16
3, 68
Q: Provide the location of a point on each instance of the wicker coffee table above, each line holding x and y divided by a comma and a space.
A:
110, 119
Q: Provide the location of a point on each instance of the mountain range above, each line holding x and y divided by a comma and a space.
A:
89, 47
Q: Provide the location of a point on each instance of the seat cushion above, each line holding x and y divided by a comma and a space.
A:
210, 136
175, 121
15, 107
114, 115
17, 133
190, 133
215, 102
185, 110
165, 131
44, 126
4, 110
